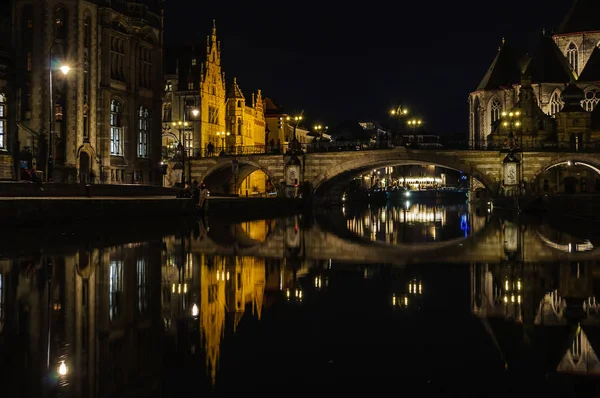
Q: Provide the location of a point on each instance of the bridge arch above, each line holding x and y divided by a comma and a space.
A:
544, 174
330, 183
220, 178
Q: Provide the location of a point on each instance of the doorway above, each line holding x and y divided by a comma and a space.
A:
570, 185
84, 167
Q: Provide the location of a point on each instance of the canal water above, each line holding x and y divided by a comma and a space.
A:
412, 299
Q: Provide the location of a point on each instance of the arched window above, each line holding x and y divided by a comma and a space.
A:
555, 103
143, 125
239, 123
476, 122
2, 121
496, 110
167, 115
592, 97
239, 105
573, 56
60, 24
116, 128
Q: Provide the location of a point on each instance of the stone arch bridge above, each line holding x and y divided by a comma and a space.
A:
328, 172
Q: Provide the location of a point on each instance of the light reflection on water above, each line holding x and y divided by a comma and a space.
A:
250, 306
409, 222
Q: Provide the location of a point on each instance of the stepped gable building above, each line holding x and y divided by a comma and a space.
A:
522, 95
196, 93
106, 110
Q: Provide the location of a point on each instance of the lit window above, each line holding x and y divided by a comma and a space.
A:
555, 103
115, 288
496, 110
573, 56
189, 143
592, 97
143, 133
142, 285
116, 129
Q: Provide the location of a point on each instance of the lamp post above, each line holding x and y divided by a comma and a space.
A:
64, 69
414, 123
222, 135
182, 126
295, 145
321, 130
512, 122
398, 112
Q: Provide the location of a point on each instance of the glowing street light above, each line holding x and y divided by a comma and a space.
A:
222, 135
194, 310
62, 369
320, 129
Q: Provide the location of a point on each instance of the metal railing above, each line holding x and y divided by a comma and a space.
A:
371, 145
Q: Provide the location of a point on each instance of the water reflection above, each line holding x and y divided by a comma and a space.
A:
220, 305
409, 222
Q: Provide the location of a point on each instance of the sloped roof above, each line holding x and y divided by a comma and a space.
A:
548, 64
584, 16
591, 72
235, 91
505, 69
270, 106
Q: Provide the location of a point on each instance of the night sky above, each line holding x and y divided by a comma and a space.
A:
342, 63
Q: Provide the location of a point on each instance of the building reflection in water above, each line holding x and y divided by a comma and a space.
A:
551, 306
215, 292
88, 323
84, 324
409, 222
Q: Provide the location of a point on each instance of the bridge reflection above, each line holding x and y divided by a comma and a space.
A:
400, 235
104, 310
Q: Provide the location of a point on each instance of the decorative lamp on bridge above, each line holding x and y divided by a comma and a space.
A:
295, 144
399, 113
222, 135
320, 129
414, 123
511, 121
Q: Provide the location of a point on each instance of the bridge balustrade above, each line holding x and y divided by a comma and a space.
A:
372, 145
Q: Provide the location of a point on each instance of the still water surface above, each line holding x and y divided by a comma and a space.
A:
413, 299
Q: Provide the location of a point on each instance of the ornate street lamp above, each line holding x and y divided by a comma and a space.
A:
295, 144
50, 155
398, 112
320, 129
512, 122
222, 135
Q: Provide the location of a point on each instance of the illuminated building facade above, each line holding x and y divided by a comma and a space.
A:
535, 85
105, 110
207, 117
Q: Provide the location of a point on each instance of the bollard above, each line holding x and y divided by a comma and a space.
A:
88, 190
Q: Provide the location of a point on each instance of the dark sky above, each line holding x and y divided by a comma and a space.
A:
343, 62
